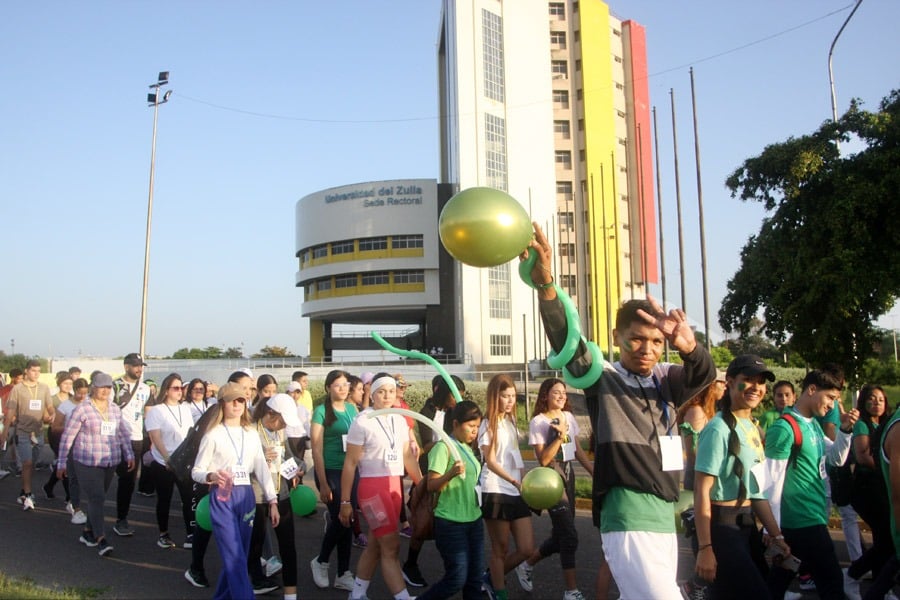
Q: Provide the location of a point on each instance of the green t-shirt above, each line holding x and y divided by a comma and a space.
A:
457, 501
714, 459
625, 509
803, 498
862, 428
333, 435
769, 417
886, 473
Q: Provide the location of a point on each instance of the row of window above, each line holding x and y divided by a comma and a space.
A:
397, 242
558, 12
368, 279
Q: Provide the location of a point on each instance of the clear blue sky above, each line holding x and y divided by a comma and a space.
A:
318, 94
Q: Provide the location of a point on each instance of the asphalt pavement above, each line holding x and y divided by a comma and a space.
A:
43, 546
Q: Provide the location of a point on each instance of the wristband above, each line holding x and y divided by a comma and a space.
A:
544, 286
779, 537
343, 502
704, 547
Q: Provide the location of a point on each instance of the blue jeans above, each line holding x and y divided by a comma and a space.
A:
462, 547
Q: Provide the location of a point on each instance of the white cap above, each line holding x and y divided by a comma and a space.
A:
247, 372
294, 386
286, 407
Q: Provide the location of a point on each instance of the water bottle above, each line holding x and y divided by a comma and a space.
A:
223, 489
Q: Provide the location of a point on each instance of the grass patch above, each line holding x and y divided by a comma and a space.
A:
26, 589
583, 487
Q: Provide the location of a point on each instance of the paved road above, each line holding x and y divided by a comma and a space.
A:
43, 545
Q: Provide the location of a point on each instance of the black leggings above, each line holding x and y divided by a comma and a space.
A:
563, 535
285, 534
201, 536
165, 483
336, 535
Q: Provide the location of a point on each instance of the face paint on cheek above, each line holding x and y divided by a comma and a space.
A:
741, 386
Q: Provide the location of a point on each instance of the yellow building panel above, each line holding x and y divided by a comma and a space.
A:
316, 338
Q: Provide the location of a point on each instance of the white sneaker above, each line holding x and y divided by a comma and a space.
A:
525, 573
319, 572
70, 509
344, 582
851, 587
28, 503
793, 595
79, 518
3, 473
273, 565
573, 595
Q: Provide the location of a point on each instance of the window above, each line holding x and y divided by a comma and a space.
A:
320, 251
345, 281
579, 94
376, 278
342, 247
375, 243
498, 291
577, 36
567, 250
581, 155
568, 282
580, 124
560, 98
323, 285
564, 190
566, 220
406, 241
492, 43
562, 129
558, 10
501, 345
409, 277
559, 68
558, 39
577, 65
495, 151
564, 159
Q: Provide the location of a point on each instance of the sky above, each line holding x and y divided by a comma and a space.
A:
272, 101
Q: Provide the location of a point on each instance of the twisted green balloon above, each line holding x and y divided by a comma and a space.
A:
420, 356
559, 360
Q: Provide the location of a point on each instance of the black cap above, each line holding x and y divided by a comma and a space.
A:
749, 364
135, 360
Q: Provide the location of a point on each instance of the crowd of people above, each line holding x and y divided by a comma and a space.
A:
763, 486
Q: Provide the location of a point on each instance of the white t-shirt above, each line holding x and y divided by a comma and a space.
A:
66, 408
133, 410
223, 447
173, 423
506, 451
382, 439
539, 430
303, 430
198, 408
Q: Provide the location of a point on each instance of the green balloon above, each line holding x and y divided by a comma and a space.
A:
542, 488
303, 500
202, 516
484, 227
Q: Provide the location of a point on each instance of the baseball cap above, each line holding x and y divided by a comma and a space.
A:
284, 405
749, 364
294, 387
231, 392
101, 380
401, 383
247, 372
135, 360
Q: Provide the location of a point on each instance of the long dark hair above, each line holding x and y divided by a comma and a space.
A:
734, 446
332, 376
261, 382
543, 399
164, 387
864, 414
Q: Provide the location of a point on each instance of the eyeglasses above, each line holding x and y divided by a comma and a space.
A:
198, 389
241, 400
177, 388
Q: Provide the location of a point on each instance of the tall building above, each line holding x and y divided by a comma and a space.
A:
548, 101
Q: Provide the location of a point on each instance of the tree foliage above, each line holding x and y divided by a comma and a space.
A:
823, 266
273, 352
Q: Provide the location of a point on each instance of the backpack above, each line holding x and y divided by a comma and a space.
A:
840, 478
798, 437
181, 460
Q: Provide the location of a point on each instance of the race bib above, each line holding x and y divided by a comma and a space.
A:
478, 494
391, 457
240, 475
568, 451
822, 472
36, 404
289, 468
344, 442
672, 452
107, 428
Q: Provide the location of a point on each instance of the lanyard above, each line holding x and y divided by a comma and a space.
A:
391, 437
197, 408
240, 456
751, 436
178, 417
662, 400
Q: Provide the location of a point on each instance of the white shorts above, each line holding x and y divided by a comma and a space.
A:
644, 564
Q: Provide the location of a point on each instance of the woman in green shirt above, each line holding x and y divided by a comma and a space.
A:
458, 525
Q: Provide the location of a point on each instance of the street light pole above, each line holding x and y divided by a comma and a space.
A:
153, 100
834, 114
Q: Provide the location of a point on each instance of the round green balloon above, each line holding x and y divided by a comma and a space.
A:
303, 500
484, 227
202, 516
542, 488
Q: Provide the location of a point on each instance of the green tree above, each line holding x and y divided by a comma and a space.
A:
822, 269
233, 352
273, 352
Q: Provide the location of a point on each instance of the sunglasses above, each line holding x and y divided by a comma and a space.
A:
241, 400
177, 388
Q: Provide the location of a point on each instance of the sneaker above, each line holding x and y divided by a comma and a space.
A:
406, 532
121, 528
3, 473
188, 541
87, 538
413, 576
486, 586
197, 578
851, 587
890, 595
273, 565
103, 547
70, 509
344, 582
319, 572
79, 518
48, 491
264, 586
525, 572
573, 595
360, 541
164, 541
806, 583
695, 589
789, 595
28, 504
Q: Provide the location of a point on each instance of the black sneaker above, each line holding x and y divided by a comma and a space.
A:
413, 576
87, 538
197, 578
264, 586
694, 589
103, 547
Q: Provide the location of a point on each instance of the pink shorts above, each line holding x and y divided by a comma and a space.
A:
380, 499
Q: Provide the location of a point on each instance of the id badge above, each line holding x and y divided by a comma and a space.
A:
822, 472
672, 452
240, 475
478, 494
344, 442
439, 419
568, 451
391, 457
107, 428
36, 404
289, 468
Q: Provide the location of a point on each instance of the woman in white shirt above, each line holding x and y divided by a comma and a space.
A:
502, 505
229, 453
167, 424
379, 446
